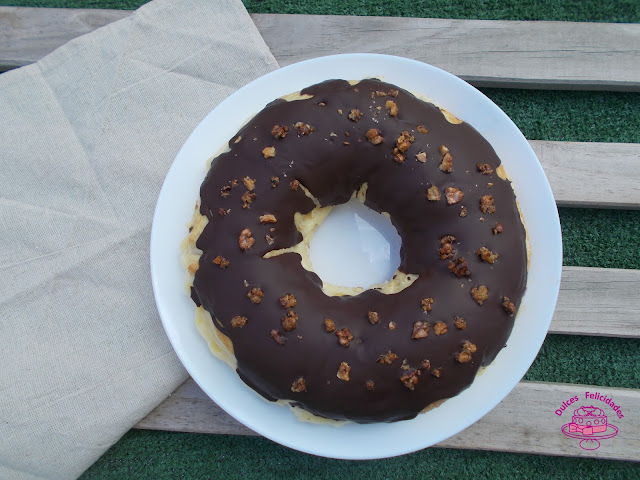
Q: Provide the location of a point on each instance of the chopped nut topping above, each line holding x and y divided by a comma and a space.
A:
381, 94
443, 150
463, 212
446, 251
459, 267
460, 323
269, 239
250, 183
269, 152
387, 358
410, 378
247, 198
344, 337
447, 160
279, 132
304, 128
480, 294
374, 137
373, 317
329, 325
255, 295
278, 337
422, 129
288, 301
238, 321
508, 306
433, 194
486, 204
343, 371
339, 111
268, 218
467, 346
421, 157
293, 185
397, 156
371, 385
420, 330
355, 115
427, 304
245, 240
300, 385
289, 322
275, 181
437, 372
484, 168
454, 195
346, 144
404, 141
393, 92
440, 328
225, 191
223, 211
463, 357
425, 365
392, 108
221, 262
392, 325
497, 228
487, 255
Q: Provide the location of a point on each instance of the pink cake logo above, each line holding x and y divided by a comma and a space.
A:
590, 424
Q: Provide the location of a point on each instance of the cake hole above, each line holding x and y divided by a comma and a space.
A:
355, 247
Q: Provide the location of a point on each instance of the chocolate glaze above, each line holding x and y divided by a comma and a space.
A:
332, 171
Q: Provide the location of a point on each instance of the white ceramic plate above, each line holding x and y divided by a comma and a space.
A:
175, 207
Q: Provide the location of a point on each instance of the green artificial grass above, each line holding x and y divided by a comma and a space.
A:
592, 238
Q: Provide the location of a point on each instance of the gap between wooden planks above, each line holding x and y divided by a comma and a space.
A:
519, 54
524, 422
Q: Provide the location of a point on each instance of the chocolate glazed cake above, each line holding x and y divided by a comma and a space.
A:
386, 353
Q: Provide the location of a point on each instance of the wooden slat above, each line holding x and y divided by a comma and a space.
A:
524, 422
485, 53
598, 302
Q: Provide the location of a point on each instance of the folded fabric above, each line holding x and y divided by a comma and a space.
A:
88, 134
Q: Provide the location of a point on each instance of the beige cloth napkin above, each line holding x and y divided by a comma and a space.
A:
87, 135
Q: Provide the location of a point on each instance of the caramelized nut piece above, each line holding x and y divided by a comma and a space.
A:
433, 194
422, 129
393, 92
238, 321
440, 328
460, 323
289, 322
486, 204
381, 94
392, 325
467, 346
221, 262
480, 294
247, 198
329, 325
484, 168
371, 385
288, 301
374, 136
355, 115
497, 228
443, 150
343, 371
278, 337
250, 183
508, 306
344, 337
421, 157
420, 329
397, 156
373, 317
437, 372
459, 267
255, 295
293, 185
487, 255
223, 211
300, 385
404, 141
275, 181
454, 195
463, 212
410, 378
387, 358
447, 160
446, 251
463, 357
268, 218
427, 304
279, 132
225, 191
304, 128
392, 108
245, 241
425, 365
269, 152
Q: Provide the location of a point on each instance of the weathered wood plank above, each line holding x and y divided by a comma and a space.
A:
523, 422
598, 302
485, 53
